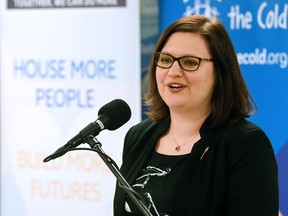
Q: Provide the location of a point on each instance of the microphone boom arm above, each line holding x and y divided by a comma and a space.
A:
95, 144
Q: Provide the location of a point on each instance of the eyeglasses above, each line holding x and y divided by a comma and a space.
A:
187, 63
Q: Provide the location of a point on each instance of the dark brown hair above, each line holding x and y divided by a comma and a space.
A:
231, 99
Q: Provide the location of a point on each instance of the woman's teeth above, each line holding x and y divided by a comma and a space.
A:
175, 86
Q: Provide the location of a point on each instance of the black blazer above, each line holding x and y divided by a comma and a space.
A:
231, 171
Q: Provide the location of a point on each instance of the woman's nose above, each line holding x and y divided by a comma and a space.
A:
175, 69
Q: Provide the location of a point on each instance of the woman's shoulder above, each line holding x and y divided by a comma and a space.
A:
140, 127
241, 128
146, 129
148, 124
143, 124
142, 132
245, 136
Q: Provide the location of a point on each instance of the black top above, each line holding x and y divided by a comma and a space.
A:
158, 179
231, 171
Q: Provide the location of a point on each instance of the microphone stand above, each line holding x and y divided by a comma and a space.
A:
95, 144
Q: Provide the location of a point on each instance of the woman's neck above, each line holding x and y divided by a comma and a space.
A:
185, 125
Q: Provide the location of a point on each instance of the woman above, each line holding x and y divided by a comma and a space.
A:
197, 154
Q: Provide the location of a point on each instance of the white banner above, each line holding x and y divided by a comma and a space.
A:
59, 66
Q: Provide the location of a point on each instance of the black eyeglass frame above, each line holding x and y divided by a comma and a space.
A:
157, 55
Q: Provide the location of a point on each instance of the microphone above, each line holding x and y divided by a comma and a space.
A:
111, 116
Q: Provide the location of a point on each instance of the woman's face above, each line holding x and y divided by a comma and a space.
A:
186, 91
